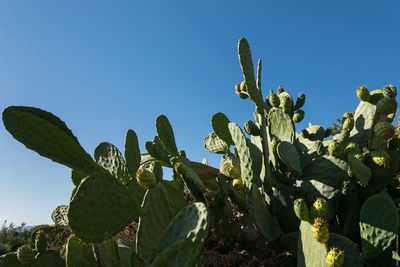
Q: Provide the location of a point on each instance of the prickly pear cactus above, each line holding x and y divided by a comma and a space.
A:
59, 215
379, 224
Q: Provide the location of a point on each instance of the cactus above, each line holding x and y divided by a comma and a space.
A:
363, 93
301, 210
26, 255
260, 178
335, 258
386, 106
379, 223
251, 128
59, 215
40, 242
79, 254
320, 231
384, 130
381, 158
335, 149
298, 116
389, 91
273, 99
318, 209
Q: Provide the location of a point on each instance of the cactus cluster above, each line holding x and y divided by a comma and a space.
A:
331, 197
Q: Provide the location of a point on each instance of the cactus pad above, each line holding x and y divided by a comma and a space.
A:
166, 135
219, 123
110, 158
184, 237
160, 205
379, 224
59, 215
289, 156
132, 152
281, 125
98, 201
46, 134
79, 254
214, 144
246, 162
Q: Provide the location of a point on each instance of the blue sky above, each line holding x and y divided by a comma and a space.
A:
107, 66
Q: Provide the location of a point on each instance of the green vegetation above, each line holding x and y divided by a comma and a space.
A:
12, 237
326, 201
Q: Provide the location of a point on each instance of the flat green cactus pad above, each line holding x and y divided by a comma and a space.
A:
246, 62
379, 224
46, 134
182, 241
246, 162
108, 252
281, 125
79, 254
219, 123
214, 144
310, 253
59, 215
100, 208
324, 177
132, 152
289, 156
364, 117
77, 176
166, 135
157, 152
110, 158
262, 218
160, 205
49, 258
10, 260
360, 171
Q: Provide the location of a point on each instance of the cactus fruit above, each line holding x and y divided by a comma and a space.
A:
237, 183
301, 99
389, 91
347, 115
301, 209
386, 106
286, 102
233, 172
384, 130
360, 157
335, 148
280, 90
26, 255
274, 99
298, 116
381, 158
335, 258
352, 149
319, 208
320, 231
40, 242
363, 93
146, 178
251, 128
240, 93
348, 124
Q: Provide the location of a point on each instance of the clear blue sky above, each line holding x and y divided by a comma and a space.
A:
107, 66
